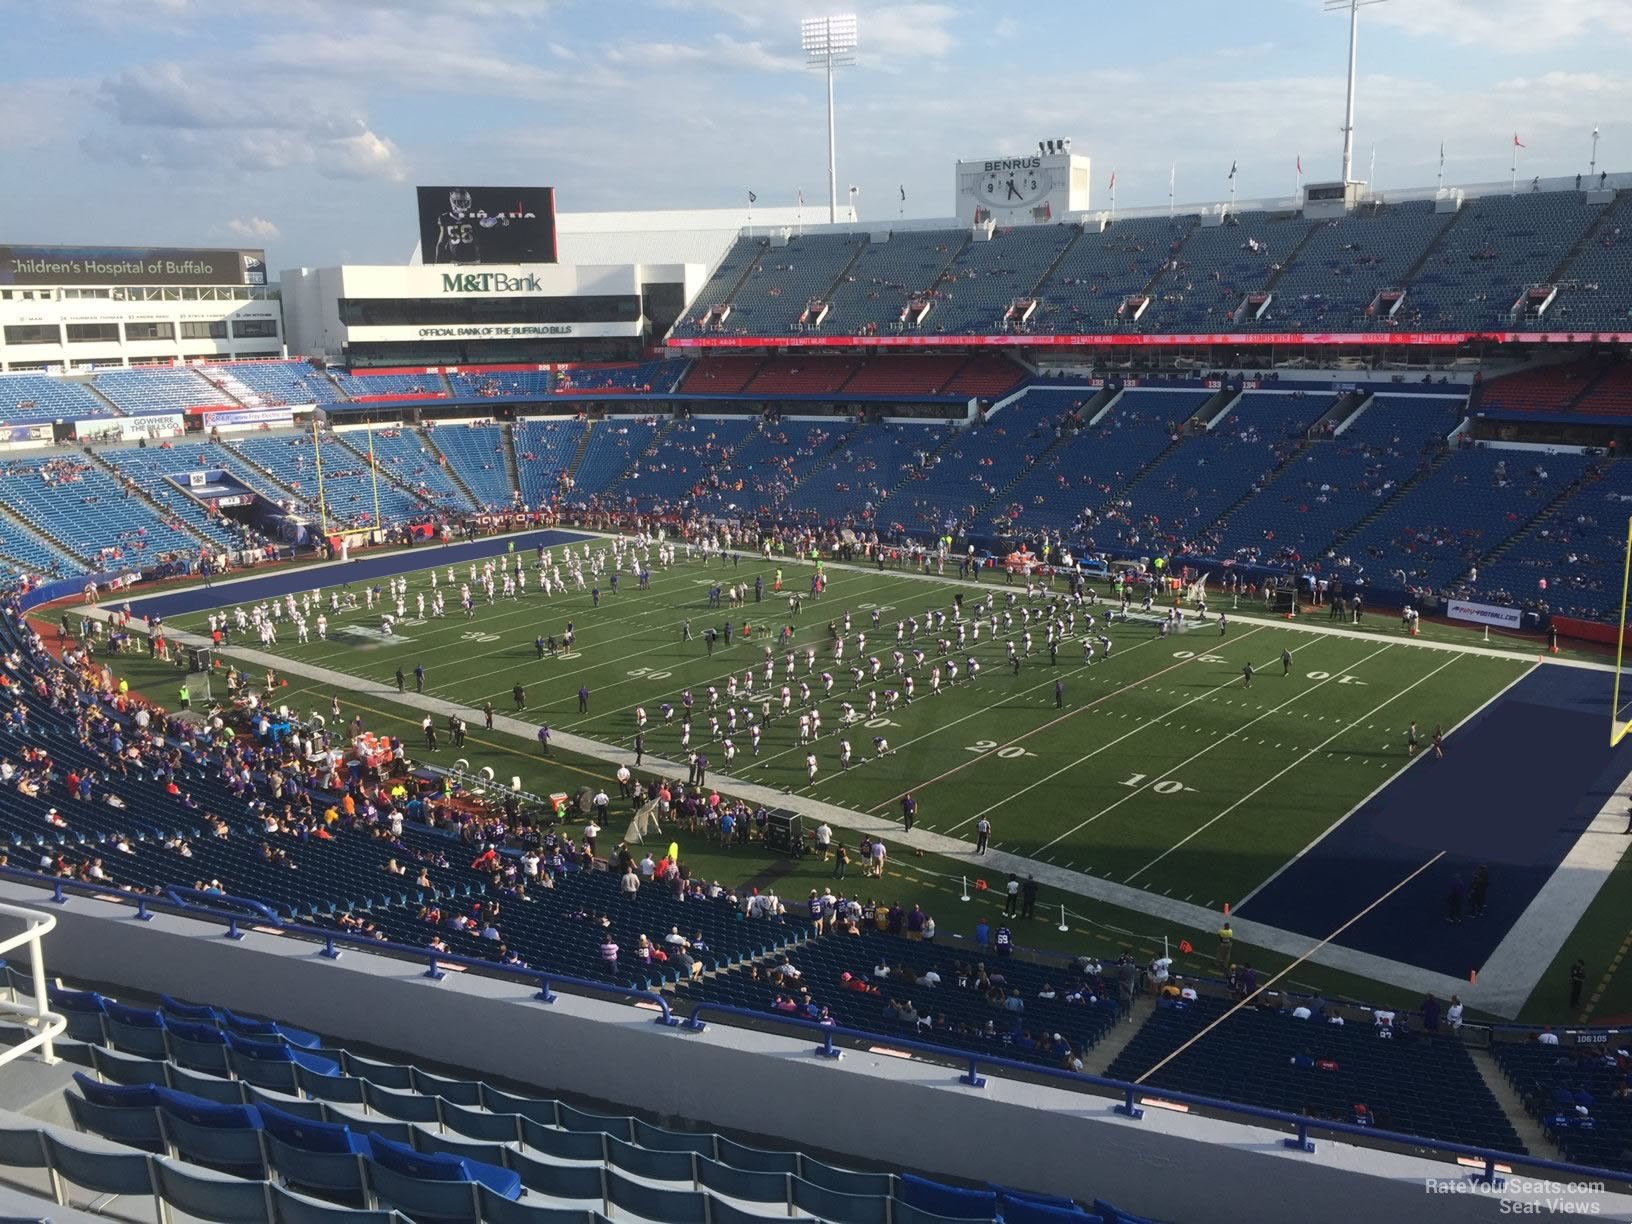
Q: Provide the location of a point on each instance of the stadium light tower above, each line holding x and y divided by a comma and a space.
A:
829, 43
1353, 7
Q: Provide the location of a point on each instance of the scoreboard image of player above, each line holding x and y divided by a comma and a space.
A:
487, 225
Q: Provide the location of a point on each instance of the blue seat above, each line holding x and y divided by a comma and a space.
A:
340, 1089
424, 1200
337, 1174
435, 1143
479, 1124
299, 1107
221, 1200
23, 1148
269, 1029
198, 1047
563, 1145
837, 1207
82, 1009
229, 1148
134, 1030
405, 1106
137, 1126
210, 1087
386, 1075
670, 1206
540, 1110
744, 1184
560, 1181
103, 1172
123, 1069
496, 1209
404, 1160
460, 1092
290, 1208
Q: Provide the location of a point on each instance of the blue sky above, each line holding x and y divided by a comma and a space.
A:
303, 125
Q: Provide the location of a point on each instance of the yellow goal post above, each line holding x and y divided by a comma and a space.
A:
1619, 723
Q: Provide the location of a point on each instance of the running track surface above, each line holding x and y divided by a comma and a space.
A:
1518, 785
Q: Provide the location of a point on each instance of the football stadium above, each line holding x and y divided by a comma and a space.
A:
1044, 713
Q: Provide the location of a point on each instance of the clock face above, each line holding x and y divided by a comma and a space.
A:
1014, 188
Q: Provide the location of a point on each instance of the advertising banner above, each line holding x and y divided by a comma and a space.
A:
249, 418
487, 225
131, 429
1484, 614
92, 265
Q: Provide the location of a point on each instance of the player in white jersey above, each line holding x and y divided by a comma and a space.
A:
730, 749
753, 734
787, 698
810, 767
804, 726
322, 628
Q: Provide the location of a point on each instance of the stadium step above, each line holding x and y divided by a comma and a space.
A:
1037, 285
1589, 235
264, 473
427, 438
578, 455
512, 467
1530, 1132
165, 514
1541, 517
1098, 1059
1388, 503
649, 452
40, 533
1343, 413
384, 469
94, 390
1280, 268
1428, 252
1096, 407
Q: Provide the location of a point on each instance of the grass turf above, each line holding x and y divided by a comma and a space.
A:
1158, 767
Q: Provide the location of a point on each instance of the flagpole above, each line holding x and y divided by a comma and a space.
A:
1371, 174
1513, 186
1442, 165
1172, 172
1592, 166
317, 459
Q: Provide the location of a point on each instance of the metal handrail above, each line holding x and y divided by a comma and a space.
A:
47, 1024
1131, 1094
176, 899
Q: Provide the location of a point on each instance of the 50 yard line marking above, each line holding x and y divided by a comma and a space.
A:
1282, 773
1167, 773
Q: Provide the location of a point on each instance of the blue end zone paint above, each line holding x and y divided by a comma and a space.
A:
363, 569
1519, 784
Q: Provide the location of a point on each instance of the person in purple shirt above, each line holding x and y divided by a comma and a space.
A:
915, 923
583, 699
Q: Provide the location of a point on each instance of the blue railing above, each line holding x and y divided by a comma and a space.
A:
214, 906
1131, 1093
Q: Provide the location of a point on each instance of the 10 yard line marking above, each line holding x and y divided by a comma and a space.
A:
1167, 773
1126, 688
1335, 735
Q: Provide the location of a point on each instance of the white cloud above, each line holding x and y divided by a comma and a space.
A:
254, 229
1519, 26
168, 115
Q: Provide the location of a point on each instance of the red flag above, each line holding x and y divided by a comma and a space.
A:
1113, 180
1300, 163
1517, 143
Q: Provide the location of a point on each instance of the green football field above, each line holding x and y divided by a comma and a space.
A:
1155, 767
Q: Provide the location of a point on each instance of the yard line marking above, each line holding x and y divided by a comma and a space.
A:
975, 760
1240, 1003
1335, 735
1144, 726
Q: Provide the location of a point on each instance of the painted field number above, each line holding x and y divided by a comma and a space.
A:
1168, 786
647, 673
1320, 675
1011, 753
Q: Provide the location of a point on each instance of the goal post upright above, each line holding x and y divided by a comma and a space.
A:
1619, 726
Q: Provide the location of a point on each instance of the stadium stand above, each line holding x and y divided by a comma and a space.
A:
887, 277
614, 445
721, 375
687, 461
1421, 1083
275, 382
987, 277
985, 375
1102, 269
225, 1117
369, 386
848, 483
545, 450
785, 278
648, 377
800, 375
408, 459
44, 397
150, 468
159, 389
1579, 1095
24, 553
763, 470
87, 510
348, 490
477, 383
1338, 480
891, 375
476, 454
1545, 390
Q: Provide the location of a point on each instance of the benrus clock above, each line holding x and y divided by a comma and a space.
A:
1029, 189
